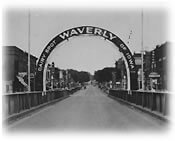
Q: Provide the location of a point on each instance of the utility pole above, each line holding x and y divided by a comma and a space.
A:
29, 51
142, 51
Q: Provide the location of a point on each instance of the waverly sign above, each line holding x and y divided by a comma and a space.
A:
84, 30
87, 30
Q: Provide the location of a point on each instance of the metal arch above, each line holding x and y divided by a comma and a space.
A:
86, 30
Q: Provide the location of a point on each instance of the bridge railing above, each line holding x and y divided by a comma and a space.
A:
154, 101
14, 103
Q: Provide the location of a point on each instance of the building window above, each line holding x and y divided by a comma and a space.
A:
164, 58
7, 88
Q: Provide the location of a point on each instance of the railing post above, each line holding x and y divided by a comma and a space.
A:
164, 104
9, 106
152, 101
136, 98
143, 99
18, 103
127, 95
161, 95
29, 101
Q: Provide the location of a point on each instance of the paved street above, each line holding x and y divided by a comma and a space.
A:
88, 109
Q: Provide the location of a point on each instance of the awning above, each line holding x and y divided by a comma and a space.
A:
154, 75
22, 81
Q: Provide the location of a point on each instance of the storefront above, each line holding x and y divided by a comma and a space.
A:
154, 80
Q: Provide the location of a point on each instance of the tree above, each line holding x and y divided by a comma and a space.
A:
81, 76
105, 75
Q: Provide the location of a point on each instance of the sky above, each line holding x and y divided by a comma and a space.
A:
85, 53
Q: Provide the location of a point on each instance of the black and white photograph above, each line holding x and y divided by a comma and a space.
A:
86, 70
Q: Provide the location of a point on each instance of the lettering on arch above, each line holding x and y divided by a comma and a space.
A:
77, 31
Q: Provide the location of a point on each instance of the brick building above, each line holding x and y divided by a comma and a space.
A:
14, 68
160, 65
122, 72
138, 63
52, 76
147, 69
155, 68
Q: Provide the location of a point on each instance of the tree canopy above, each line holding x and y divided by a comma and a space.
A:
105, 75
79, 76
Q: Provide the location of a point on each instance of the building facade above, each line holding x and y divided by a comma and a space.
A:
52, 77
121, 74
147, 69
160, 65
58, 78
138, 63
155, 68
14, 69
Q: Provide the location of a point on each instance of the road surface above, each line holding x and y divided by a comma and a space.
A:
88, 109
